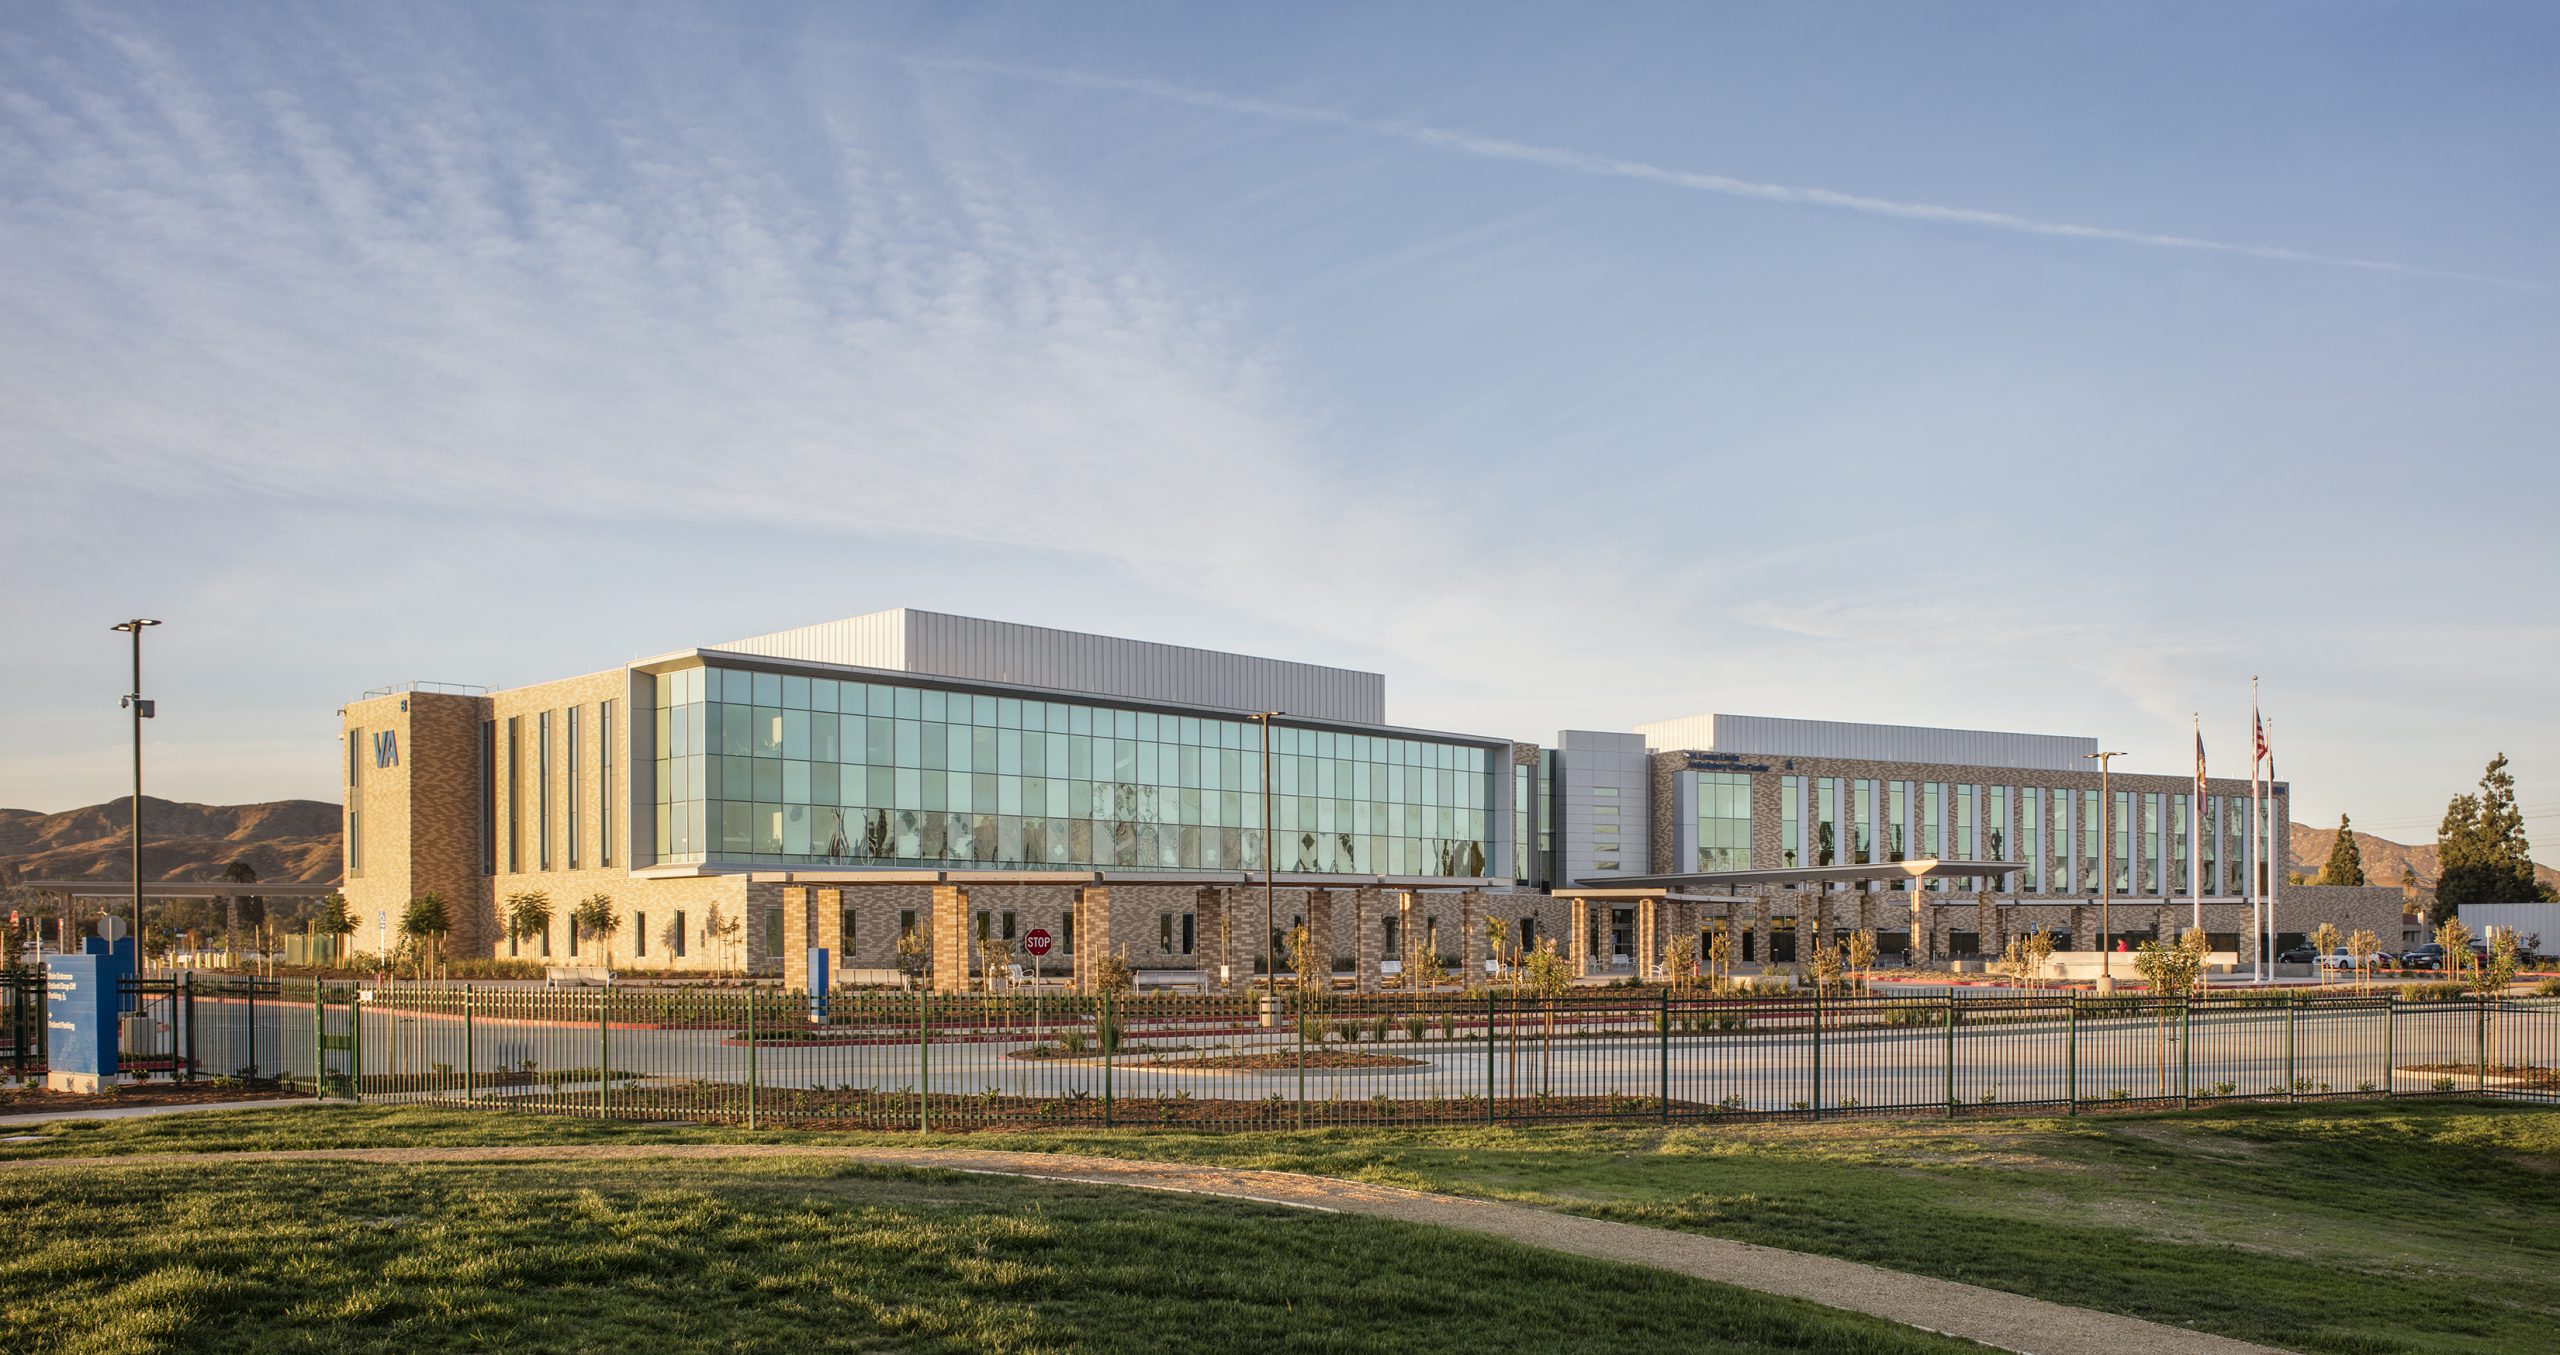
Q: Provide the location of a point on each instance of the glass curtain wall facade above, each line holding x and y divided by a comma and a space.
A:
1724, 819
771, 767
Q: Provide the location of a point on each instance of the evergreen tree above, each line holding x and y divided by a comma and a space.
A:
2481, 852
2346, 860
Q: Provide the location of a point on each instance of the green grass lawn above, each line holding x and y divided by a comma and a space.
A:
2353, 1227
792, 1256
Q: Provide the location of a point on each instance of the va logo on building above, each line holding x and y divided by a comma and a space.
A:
386, 748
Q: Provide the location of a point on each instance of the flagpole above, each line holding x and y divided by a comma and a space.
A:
2195, 831
2275, 858
2257, 854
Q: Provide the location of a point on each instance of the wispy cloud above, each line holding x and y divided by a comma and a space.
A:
1569, 161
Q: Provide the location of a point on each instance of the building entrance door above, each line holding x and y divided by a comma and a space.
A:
1622, 938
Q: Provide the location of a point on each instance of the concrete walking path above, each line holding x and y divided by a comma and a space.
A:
174, 1108
1993, 1317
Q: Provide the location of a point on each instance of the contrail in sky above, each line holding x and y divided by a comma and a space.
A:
1601, 166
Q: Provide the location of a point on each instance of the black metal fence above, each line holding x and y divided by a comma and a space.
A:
22, 1023
896, 1060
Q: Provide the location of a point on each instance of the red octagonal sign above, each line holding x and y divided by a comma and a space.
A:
1036, 941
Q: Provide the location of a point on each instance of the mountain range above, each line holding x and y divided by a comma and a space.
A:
284, 840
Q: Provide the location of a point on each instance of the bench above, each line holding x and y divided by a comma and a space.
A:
576, 975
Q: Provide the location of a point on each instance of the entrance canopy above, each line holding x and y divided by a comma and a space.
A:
1915, 869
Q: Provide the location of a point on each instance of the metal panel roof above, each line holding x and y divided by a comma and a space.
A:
911, 641
1776, 737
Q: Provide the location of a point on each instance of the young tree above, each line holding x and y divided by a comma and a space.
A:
2491, 973
1497, 936
2324, 943
2363, 946
2481, 852
424, 924
1550, 977
336, 921
1680, 961
915, 952
719, 929
2172, 970
994, 953
594, 918
1862, 953
1824, 965
528, 916
1719, 958
2455, 940
1300, 943
2346, 860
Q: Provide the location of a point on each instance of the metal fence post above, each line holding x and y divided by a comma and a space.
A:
355, 1049
253, 1029
470, 1051
1490, 1087
1817, 1053
186, 1018
2186, 1051
751, 1056
1666, 1056
319, 1044
2288, 1048
924, 1061
1110, 1033
2390, 1045
1301, 1024
604, 1052
1951, 1053
2071, 1052
2481, 1035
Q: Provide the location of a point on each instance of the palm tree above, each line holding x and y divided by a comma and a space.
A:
238, 873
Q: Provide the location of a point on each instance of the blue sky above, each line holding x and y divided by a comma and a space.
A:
2026, 367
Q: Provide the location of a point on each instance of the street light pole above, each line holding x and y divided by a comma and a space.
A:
2106, 872
1270, 970
142, 710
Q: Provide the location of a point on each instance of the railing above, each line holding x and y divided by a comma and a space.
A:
897, 1060
22, 1023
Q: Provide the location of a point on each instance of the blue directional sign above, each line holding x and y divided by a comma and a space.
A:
82, 1000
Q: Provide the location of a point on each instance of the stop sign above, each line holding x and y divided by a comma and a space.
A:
1036, 941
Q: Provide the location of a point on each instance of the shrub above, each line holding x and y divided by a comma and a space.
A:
1414, 1026
1073, 1042
1378, 1028
1347, 1031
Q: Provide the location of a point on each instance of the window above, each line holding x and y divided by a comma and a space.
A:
355, 842
546, 942
542, 793
572, 783
1791, 821
2031, 839
639, 933
1067, 931
676, 935
355, 742
1388, 937
515, 794
573, 936
1826, 821
1005, 922
845, 922
1190, 922
1862, 828
1723, 802
906, 923
604, 793
1897, 818
1528, 932
488, 797
773, 932
1963, 944
514, 944
1164, 933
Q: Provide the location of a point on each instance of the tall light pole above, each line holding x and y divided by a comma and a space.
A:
142, 710
2106, 872
1270, 971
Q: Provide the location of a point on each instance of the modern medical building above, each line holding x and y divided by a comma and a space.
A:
844, 784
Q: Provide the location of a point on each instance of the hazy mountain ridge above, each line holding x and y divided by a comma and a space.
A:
285, 840
2383, 858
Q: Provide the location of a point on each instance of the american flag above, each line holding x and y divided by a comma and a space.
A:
2262, 739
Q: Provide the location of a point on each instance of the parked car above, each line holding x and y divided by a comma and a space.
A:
2428, 956
2346, 959
2298, 955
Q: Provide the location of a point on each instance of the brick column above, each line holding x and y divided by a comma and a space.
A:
1761, 911
1093, 932
1648, 937
1368, 939
950, 939
1319, 930
1580, 940
826, 930
1471, 947
795, 938
1209, 928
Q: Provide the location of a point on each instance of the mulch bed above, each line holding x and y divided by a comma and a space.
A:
38, 1101
1286, 1061
2525, 1074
